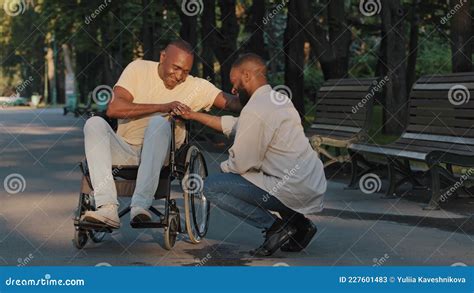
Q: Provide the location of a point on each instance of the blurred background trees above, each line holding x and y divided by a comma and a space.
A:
304, 42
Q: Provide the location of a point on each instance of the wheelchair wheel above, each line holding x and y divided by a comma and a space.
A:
196, 206
80, 238
171, 232
96, 236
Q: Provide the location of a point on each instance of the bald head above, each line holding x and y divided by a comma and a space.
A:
182, 45
176, 61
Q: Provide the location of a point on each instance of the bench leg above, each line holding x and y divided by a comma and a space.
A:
435, 190
354, 170
392, 178
359, 167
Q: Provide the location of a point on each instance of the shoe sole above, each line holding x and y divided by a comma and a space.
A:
302, 245
141, 218
102, 220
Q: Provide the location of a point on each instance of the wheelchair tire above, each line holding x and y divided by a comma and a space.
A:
171, 232
96, 236
196, 207
80, 238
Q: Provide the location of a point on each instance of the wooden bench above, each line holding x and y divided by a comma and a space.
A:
343, 113
439, 133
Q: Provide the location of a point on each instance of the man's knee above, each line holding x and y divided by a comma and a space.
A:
159, 125
95, 124
213, 188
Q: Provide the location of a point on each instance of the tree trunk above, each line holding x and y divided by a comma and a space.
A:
294, 57
147, 33
52, 93
340, 38
225, 45
413, 46
332, 49
208, 22
188, 30
396, 89
461, 33
255, 43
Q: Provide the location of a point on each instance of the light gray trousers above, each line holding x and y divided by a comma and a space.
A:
105, 148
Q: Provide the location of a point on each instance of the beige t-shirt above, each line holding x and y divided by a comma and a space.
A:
141, 79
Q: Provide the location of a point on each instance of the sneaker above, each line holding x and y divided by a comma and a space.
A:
139, 215
105, 214
275, 237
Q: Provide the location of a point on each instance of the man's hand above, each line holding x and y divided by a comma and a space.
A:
187, 114
123, 107
176, 108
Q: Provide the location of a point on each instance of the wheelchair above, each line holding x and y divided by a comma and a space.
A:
186, 164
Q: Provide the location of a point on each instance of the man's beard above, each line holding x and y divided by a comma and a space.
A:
244, 96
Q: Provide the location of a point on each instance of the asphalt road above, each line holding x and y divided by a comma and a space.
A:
43, 147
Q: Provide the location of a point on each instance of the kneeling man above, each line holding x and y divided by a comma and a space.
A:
271, 166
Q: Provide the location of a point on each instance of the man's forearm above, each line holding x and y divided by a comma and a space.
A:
233, 103
132, 110
211, 121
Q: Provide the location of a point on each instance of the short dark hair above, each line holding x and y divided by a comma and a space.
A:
183, 45
248, 57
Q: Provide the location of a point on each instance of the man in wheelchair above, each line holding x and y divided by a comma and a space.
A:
145, 92
271, 165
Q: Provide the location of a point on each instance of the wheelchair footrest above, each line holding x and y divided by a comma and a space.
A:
143, 225
92, 226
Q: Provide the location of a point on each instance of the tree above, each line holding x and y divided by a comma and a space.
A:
461, 36
225, 42
294, 57
393, 57
332, 46
255, 42
208, 21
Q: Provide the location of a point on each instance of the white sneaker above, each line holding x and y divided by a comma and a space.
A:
106, 214
139, 215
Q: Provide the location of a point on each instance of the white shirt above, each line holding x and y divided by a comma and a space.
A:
271, 151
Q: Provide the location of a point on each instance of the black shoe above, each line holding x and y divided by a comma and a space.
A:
305, 232
275, 237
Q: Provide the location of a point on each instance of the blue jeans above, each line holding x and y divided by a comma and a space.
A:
236, 195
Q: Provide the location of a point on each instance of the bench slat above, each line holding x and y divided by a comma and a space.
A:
442, 121
441, 130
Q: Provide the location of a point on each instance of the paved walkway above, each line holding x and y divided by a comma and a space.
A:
43, 146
